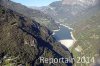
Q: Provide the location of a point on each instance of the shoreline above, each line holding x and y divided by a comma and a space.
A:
73, 37
55, 31
67, 27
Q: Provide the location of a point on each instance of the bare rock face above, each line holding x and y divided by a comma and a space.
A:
80, 2
68, 1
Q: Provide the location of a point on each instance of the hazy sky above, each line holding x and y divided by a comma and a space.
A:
35, 2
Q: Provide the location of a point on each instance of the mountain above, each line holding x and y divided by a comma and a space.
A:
23, 41
87, 34
80, 2
84, 17
70, 12
37, 15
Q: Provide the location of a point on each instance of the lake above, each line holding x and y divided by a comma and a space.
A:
63, 33
64, 36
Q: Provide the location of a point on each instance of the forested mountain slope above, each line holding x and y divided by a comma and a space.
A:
23, 41
87, 34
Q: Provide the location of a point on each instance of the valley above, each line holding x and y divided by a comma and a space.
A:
62, 29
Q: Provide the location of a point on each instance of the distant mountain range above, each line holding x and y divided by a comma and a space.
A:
71, 11
84, 3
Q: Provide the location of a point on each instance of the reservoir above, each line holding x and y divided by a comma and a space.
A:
64, 35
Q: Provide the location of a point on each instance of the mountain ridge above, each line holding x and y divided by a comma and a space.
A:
69, 14
37, 15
